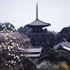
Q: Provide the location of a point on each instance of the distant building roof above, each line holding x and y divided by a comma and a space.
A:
33, 52
64, 45
38, 22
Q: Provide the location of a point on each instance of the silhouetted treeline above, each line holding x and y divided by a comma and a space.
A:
24, 29
65, 33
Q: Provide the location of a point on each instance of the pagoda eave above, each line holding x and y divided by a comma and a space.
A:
38, 25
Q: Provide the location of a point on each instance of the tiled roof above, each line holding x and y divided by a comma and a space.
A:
65, 45
38, 22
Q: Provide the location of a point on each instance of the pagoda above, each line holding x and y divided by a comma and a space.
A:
38, 35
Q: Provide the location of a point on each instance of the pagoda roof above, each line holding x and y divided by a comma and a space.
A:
38, 22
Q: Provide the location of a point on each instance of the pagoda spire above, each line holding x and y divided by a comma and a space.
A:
36, 11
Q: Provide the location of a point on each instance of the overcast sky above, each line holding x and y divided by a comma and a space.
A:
22, 12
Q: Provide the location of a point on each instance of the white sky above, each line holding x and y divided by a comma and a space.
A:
22, 12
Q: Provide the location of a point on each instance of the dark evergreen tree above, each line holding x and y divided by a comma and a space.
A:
24, 29
65, 33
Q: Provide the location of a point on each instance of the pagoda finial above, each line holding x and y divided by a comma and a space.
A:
36, 11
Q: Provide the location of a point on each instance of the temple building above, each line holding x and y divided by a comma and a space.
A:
63, 48
38, 35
